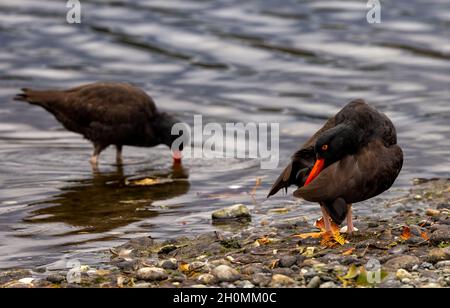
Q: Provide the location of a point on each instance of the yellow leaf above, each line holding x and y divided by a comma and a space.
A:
145, 182
353, 272
184, 267
348, 251
308, 235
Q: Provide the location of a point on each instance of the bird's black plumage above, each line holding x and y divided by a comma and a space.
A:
106, 113
361, 160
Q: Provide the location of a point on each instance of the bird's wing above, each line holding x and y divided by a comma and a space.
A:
301, 162
356, 177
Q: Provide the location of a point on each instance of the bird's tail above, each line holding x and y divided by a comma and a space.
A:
36, 97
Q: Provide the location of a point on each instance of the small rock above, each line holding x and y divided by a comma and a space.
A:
426, 265
328, 285
399, 249
197, 266
402, 274
314, 283
432, 212
225, 273
440, 235
206, 279
170, 264
439, 254
288, 261
261, 279
128, 266
151, 274
279, 280
431, 285
443, 264
55, 278
418, 197
403, 261
232, 212
245, 284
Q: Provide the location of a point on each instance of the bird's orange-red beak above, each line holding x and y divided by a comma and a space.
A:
318, 166
176, 155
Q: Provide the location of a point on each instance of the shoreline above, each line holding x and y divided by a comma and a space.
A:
409, 249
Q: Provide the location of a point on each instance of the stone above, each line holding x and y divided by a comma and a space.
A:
402, 274
314, 283
151, 274
232, 212
245, 284
399, 249
440, 235
225, 273
261, 279
287, 261
55, 278
443, 264
279, 280
439, 254
170, 264
402, 261
206, 279
328, 285
432, 212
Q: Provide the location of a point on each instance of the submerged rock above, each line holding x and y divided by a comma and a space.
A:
232, 212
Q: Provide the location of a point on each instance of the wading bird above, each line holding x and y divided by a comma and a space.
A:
352, 158
107, 113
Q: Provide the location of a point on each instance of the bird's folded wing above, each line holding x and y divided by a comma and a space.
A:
356, 177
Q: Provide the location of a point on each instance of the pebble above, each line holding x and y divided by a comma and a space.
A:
151, 274
403, 261
288, 261
206, 279
439, 254
232, 212
426, 265
443, 264
261, 279
399, 249
245, 284
225, 273
440, 235
328, 285
402, 274
170, 264
432, 212
314, 283
279, 280
55, 278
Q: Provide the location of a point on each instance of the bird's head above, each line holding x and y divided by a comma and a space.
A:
331, 146
172, 133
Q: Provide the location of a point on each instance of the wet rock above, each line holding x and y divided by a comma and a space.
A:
431, 285
198, 266
151, 274
245, 284
283, 271
439, 254
402, 274
232, 212
328, 285
439, 236
279, 280
252, 269
426, 265
308, 272
403, 261
225, 273
170, 264
261, 279
128, 266
314, 283
390, 283
443, 264
287, 261
432, 212
55, 278
206, 279
399, 249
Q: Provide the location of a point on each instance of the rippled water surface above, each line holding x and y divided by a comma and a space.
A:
292, 62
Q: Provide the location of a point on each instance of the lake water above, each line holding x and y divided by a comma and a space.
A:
291, 62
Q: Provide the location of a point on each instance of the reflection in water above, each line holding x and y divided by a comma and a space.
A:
108, 200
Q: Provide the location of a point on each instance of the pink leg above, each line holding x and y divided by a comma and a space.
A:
326, 219
350, 228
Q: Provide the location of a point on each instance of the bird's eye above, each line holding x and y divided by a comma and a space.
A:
325, 147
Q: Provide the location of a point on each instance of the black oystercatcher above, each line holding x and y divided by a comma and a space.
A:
107, 113
353, 157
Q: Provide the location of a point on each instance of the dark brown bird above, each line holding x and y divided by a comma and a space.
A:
353, 157
107, 113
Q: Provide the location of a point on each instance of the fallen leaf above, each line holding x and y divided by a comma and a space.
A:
308, 235
348, 252
320, 224
264, 240
145, 182
274, 264
424, 235
183, 267
352, 272
406, 233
